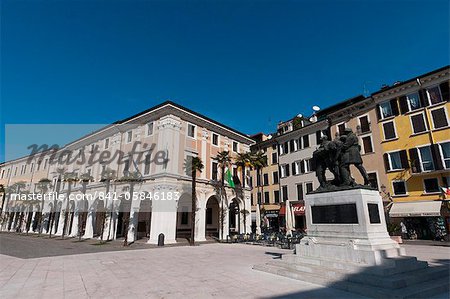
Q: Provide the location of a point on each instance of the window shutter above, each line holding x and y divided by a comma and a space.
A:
445, 90
287, 170
291, 144
437, 160
394, 107
415, 162
404, 159
403, 104
423, 98
386, 162
294, 171
377, 110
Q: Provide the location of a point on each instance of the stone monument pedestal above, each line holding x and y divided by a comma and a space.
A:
347, 247
347, 226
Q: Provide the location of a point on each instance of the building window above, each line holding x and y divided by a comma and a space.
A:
388, 109
299, 191
276, 195
285, 193
431, 185
31, 168
445, 154
296, 167
147, 164
399, 187
296, 144
215, 139
305, 141
281, 149
286, 147
364, 124
413, 101
235, 147
3, 173
309, 187
367, 144
434, 95
440, 119
45, 163
389, 130
373, 180
275, 177
266, 197
284, 170
274, 158
191, 130
129, 138
259, 197
426, 159
341, 128
266, 179
106, 143
149, 129
396, 160
126, 167
215, 167
418, 123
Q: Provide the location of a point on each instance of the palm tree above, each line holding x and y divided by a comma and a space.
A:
193, 165
85, 178
243, 160
43, 185
132, 178
70, 178
223, 159
258, 161
108, 175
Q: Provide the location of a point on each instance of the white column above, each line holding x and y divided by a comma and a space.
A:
164, 218
89, 230
134, 217
33, 219
200, 223
74, 231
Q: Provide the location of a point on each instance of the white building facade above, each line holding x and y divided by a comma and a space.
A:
158, 145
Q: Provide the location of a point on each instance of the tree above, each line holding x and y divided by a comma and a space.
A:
70, 178
43, 185
223, 159
258, 162
193, 165
243, 160
132, 178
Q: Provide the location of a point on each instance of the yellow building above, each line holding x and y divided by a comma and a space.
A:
415, 137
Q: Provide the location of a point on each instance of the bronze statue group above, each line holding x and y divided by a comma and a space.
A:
337, 156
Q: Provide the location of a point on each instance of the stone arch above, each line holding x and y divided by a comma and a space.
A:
144, 216
123, 215
234, 216
184, 210
212, 217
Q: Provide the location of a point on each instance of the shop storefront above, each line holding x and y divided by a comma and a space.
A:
270, 214
298, 208
423, 219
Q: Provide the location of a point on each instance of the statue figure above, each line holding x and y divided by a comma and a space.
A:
337, 156
351, 155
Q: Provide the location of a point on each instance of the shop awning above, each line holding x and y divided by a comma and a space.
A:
299, 209
416, 209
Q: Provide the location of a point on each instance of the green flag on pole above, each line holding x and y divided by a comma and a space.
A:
229, 177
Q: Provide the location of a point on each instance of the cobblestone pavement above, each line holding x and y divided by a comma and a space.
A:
209, 270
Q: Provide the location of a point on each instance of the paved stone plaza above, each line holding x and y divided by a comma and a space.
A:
208, 270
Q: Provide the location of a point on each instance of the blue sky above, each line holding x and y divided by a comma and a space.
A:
248, 64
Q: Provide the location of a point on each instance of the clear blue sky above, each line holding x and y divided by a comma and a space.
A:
247, 64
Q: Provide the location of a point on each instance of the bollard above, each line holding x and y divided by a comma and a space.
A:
161, 239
